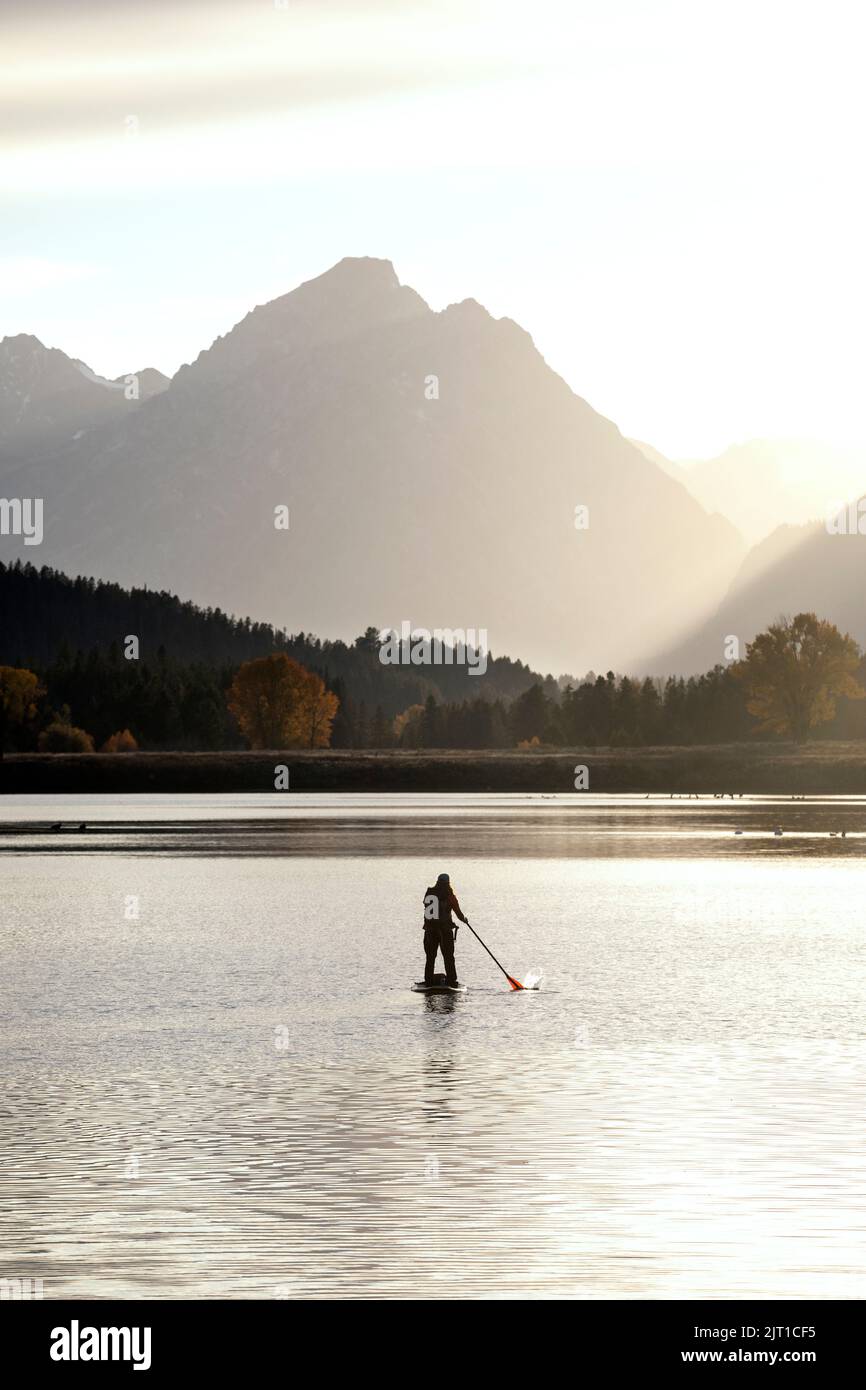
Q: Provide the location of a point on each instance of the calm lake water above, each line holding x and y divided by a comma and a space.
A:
217, 1084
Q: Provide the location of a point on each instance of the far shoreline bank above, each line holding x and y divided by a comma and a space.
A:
821, 768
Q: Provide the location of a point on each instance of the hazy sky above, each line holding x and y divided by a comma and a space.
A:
667, 195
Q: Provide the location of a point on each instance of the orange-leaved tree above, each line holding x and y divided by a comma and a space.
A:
20, 693
794, 672
62, 737
120, 742
280, 704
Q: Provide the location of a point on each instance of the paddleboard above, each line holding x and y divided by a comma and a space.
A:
440, 985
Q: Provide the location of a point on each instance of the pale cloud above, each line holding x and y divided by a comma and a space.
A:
216, 63
236, 93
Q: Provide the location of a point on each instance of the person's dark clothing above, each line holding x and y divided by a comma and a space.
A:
439, 937
439, 931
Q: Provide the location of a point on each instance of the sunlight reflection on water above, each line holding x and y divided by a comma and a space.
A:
234, 1094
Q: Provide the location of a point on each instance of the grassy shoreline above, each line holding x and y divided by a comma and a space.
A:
754, 768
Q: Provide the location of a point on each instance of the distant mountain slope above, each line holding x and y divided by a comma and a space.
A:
432, 463
673, 470
796, 569
765, 483
47, 398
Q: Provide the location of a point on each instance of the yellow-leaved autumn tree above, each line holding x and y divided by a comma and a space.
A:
20, 693
794, 673
407, 726
280, 704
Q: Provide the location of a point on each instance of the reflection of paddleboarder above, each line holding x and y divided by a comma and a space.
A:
439, 929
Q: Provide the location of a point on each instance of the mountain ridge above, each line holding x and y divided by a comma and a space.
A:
432, 463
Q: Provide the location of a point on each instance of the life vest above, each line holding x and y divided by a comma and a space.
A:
437, 906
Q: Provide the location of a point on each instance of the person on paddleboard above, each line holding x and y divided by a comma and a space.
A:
439, 929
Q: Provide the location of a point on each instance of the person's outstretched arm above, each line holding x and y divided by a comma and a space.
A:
455, 907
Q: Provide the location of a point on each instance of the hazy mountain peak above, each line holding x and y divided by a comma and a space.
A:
22, 353
350, 299
356, 283
26, 358
150, 381
14, 343
319, 400
49, 400
30, 370
371, 270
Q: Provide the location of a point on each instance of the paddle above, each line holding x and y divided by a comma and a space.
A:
515, 984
